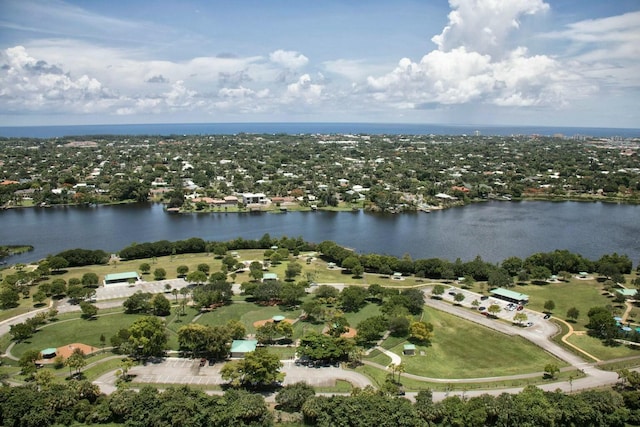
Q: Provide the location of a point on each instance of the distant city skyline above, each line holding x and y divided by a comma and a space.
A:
491, 62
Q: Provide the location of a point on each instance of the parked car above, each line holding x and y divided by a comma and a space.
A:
482, 308
519, 308
484, 313
547, 316
529, 324
484, 297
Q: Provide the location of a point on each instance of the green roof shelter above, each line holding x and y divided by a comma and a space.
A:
241, 347
409, 350
627, 292
278, 318
49, 353
114, 278
269, 276
510, 296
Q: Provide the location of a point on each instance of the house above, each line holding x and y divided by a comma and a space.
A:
253, 198
230, 201
239, 348
120, 278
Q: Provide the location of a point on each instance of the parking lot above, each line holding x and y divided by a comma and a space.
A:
125, 290
534, 318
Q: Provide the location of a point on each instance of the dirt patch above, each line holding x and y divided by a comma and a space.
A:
66, 350
259, 323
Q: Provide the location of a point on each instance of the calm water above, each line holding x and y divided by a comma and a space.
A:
493, 230
304, 128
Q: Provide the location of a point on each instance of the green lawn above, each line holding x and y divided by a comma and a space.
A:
594, 346
76, 330
462, 349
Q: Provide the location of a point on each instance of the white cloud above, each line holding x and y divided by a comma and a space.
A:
304, 89
34, 84
288, 59
484, 25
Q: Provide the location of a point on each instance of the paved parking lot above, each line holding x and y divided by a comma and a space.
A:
125, 290
188, 371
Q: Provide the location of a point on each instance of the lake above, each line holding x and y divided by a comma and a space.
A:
493, 230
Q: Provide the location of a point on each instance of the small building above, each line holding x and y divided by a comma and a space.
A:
49, 353
511, 296
269, 276
628, 293
119, 278
239, 348
397, 276
409, 350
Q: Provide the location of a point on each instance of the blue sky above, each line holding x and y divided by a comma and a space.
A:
511, 62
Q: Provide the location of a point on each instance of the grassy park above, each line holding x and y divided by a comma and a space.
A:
459, 348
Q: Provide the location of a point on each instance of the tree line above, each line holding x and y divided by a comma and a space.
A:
44, 403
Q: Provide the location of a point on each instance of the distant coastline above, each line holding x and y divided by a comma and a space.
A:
307, 128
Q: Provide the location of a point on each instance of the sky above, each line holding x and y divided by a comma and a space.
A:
486, 62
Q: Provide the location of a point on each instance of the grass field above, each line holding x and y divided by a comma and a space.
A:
595, 347
462, 349
79, 330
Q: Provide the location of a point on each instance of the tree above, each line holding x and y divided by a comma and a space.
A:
90, 280
353, 298
370, 329
549, 305
573, 313
204, 267
182, 270
38, 298
437, 291
57, 263
8, 298
520, 317
160, 305
500, 278
76, 361
210, 341
312, 309
236, 329
20, 331
89, 311
255, 270
145, 268
147, 336
602, 324
291, 293
291, 397
357, 270
140, 302
458, 298
551, 370
293, 269
159, 274
420, 332
28, 361
58, 288
259, 367
494, 309
197, 277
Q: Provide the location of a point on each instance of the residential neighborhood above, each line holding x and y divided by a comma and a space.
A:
379, 173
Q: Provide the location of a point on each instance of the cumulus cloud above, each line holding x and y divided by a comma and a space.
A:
474, 64
33, 84
483, 25
288, 59
304, 89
